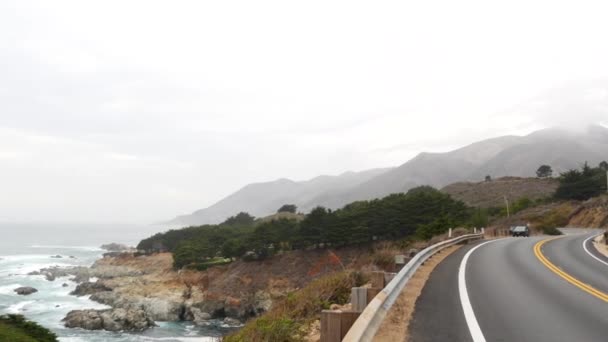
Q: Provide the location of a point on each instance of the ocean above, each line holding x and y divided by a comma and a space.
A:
29, 247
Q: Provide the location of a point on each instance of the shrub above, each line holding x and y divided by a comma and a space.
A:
287, 319
16, 328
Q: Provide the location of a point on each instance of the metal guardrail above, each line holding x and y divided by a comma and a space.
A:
365, 327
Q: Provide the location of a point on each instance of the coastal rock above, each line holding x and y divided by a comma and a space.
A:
198, 316
24, 291
116, 247
262, 302
88, 288
56, 256
232, 321
110, 319
164, 310
52, 273
105, 297
108, 272
64, 285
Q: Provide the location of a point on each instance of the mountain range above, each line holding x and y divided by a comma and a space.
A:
518, 156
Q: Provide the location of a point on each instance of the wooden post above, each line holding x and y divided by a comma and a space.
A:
378, 280
335, 324
388, 277
371, 293
358, 298
399, 263
347, 319
331, 326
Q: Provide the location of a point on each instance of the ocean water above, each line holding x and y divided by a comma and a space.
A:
29, 247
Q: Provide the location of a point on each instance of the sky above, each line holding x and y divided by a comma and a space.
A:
137, 111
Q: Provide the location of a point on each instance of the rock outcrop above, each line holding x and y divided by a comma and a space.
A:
116, 247
111, 319
51, 273
237, 291
89, 288
26, 290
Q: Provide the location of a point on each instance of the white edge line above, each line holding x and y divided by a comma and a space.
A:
591, 254
469, 314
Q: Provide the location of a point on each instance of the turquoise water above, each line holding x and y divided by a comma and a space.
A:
26, 248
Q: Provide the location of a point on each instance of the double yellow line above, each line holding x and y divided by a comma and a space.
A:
587, 288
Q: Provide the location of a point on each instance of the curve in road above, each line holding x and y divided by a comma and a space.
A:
514, 296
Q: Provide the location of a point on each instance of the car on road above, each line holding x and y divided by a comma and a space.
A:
520, 231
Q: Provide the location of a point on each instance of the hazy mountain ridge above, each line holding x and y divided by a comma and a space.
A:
262, 199
517, 156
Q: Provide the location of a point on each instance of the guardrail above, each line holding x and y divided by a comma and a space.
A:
365, 327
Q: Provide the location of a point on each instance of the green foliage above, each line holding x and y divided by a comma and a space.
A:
521, 204
488, 178
551, 231
439, 226
544, 171
288, 208
241, 218
581, 184
16, 328
480, 217
548, 224
603, 166
424, 210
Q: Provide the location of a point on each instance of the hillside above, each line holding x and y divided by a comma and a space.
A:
491, 194
262, 199
518, 156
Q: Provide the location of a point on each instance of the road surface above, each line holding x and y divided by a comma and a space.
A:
518, 289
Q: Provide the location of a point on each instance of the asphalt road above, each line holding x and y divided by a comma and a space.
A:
516, 297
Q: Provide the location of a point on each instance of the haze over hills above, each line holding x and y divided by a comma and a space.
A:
518, 156
262, 199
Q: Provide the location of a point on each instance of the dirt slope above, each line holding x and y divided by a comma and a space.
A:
491, 194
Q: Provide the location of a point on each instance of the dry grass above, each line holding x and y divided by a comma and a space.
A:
600, 245
395, 325
291, 318
490, 194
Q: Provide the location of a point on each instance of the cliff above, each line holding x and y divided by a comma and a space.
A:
239, 290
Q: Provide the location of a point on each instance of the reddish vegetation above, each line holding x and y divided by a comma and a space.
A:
331, 263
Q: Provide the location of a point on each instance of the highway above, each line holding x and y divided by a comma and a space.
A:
517, 289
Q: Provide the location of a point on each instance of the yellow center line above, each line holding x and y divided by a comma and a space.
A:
587, 288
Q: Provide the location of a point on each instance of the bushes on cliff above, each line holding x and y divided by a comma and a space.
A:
16, 328
287, 318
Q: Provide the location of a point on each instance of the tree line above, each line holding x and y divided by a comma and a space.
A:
422, 212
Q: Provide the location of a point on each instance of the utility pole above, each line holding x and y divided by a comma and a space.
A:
507, 202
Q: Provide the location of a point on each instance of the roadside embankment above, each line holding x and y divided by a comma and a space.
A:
600, 245
395, 325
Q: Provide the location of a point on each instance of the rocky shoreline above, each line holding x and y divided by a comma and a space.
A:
141, 290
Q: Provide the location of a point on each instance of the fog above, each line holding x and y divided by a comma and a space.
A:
136, 111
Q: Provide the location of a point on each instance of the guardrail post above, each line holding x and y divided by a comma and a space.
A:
335, 324
388, 277
377, 280
400, 261
371, 293
358, 298
474, 230
450, 233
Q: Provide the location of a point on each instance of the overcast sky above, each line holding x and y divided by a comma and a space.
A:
136, 111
